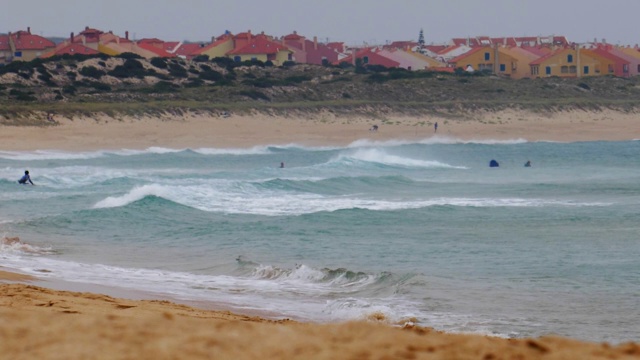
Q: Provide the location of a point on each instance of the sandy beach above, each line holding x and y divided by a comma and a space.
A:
193, 130
39, 322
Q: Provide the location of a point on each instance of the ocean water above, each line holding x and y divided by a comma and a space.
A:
422, 232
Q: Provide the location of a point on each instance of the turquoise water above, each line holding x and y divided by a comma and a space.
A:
422, 232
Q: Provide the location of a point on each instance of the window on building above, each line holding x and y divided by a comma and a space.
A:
365, 60
573, 70
547, 70
487, 56
535, 70
639, 68
17, 54
485, 67
564, 70
585, 70
610, 68
570, 58
503, 67
625, 68
237, 59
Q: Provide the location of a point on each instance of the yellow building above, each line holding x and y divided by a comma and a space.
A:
520, 66
262, 49
218, 48
565, 62
494, 59
608, 64
23, 46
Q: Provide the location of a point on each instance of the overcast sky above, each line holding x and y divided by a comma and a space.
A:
351, 21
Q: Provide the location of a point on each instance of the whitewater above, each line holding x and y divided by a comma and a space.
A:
421, 232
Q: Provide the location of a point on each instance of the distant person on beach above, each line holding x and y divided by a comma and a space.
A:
374, 128
282, 165
435, 127
527, 164
26, 178
493, 163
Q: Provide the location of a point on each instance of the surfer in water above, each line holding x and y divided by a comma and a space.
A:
527, 164
26, 178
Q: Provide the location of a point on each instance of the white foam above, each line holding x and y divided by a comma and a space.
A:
381, 157
436, 139
243, 198
49, 155
136, 194
256, 150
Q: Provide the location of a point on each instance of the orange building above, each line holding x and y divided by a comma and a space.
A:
565, 62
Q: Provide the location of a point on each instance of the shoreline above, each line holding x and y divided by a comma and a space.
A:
51, 319
194, 130
43, 323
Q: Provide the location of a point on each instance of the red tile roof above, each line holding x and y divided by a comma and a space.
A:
90, 35
507, 41
337, 46
465, 55
155, 49
150, 41
604, 53
24, 40
560, 40
449, 49
171, 45
545, 57
401, 45
435, 48
464, 41
188, 50
72, 49
373, 57
244, 35
4, 42
259, 45
293, 36
527, 40
540, 51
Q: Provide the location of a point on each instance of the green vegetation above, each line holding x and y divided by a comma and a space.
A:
128, 84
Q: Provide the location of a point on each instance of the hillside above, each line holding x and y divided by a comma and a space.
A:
77, 86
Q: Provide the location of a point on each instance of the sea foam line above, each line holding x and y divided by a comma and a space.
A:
249, 200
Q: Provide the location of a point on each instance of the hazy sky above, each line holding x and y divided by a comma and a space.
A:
351, 21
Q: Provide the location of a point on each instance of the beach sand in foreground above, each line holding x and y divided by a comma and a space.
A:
40, 323
194, 130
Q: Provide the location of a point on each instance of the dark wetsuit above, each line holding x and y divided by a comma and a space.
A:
24, 179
